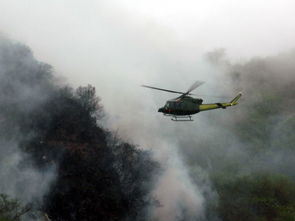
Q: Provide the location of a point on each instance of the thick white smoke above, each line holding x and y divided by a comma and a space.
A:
25, 84
119, 45
20, 179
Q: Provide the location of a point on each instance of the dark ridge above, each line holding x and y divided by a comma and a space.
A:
98, 176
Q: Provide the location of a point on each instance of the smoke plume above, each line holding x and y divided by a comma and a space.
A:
118, 45
55, 156
25, 85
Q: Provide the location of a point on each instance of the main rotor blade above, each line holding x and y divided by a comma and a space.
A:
194, 86
161, 89
204, 95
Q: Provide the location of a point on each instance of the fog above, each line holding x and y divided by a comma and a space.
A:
119, 45
25, 85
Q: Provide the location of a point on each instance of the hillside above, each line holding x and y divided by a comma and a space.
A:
68, 166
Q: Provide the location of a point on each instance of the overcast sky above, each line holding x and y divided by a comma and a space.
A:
58, 28
117, 45
245, 28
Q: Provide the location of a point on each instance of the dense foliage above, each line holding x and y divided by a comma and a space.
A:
98, 176
11, 209
258, 184
256, 197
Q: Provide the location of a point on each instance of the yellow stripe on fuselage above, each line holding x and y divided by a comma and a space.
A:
205, 107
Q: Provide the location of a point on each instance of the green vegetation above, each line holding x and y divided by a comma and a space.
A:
98, 176
255, 197
257, 182
11, 209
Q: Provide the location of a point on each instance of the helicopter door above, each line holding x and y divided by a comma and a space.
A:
178, 105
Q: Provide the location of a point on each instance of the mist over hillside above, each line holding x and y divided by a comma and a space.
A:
25, 85
117, 45
55, 156
249, 154
227, 164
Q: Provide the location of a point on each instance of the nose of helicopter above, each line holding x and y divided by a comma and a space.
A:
161, 109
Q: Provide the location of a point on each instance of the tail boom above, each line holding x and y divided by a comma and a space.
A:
205, 107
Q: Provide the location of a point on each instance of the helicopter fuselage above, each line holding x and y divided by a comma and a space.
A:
181, 106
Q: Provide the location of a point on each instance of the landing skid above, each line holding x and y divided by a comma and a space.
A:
182, 118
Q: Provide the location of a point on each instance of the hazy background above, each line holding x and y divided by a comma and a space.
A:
118, 45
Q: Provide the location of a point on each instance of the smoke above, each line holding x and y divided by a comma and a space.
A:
269, 85
179, 197
254, 137
52, 147
25, 84
119, 46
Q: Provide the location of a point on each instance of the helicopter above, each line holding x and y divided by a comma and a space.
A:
181, 108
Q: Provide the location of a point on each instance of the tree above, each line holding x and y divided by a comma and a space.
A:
11, 209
